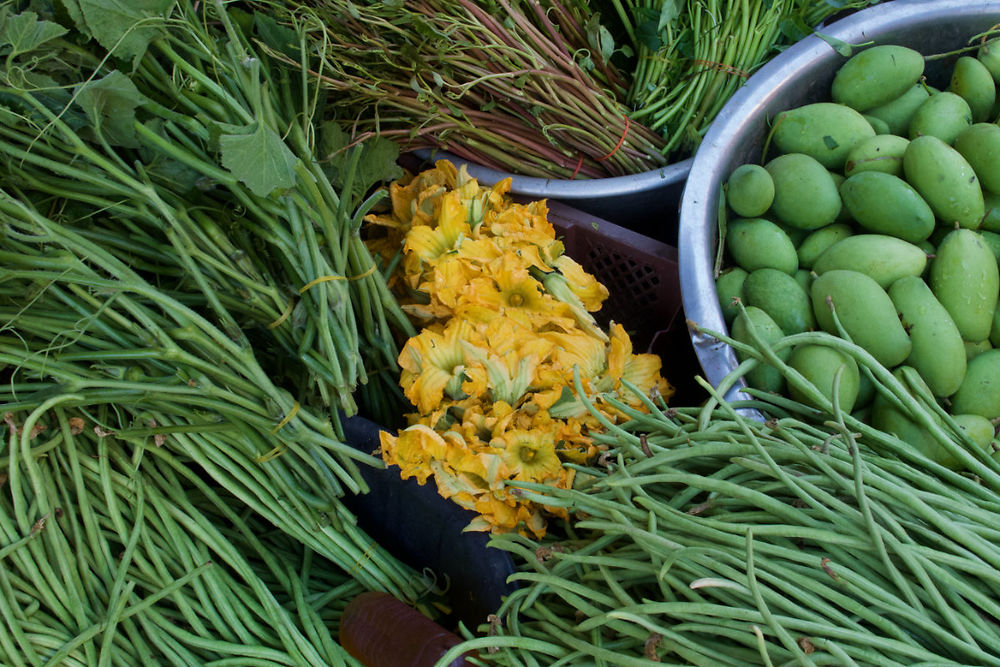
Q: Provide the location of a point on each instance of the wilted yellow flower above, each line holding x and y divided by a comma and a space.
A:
530, 454
424, 244
585, 286
579, 349
433, 364
413, 449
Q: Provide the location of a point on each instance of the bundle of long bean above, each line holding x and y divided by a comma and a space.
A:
513, 85
718, 538
84, 328
212, 150
114, 554
692, 56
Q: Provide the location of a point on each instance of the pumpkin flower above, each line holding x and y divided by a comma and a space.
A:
510, 290
433, 363
585, 286
412, 450
530, 454
578, 349
507, 328
425, 244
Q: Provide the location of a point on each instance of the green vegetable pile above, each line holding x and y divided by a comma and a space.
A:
121, 555
183, 279
189, 312
714, 537
876, 218
551, 88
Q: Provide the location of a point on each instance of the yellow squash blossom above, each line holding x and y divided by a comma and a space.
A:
585, 286
412, 450
432, 363
530, 454
507, 326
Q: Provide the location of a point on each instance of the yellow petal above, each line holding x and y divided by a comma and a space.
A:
583, 284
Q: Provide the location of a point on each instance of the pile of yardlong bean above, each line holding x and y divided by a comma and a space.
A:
794, 535
115, 553
83, 328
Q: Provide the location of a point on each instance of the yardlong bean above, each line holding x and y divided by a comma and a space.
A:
790, 535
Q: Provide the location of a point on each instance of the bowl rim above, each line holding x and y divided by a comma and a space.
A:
700, 199
569, 189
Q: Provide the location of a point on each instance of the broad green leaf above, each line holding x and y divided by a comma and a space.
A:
278, 37
124, 27
110, 104
260, 159
25, 32
377, 164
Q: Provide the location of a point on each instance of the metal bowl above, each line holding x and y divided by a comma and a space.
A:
647, 203
800, 75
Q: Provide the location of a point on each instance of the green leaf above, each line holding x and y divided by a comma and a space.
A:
123, 27
839, 45
645, 30
280, 38
260, 159
377, 163
607, 42
25, 32
668, 13
110, 104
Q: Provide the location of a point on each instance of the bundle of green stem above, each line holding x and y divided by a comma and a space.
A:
194, 269
85, 330
211, 150
765, 532
692, 56
512, 85
114, 554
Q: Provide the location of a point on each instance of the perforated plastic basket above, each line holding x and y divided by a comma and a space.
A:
644, 295
640, 272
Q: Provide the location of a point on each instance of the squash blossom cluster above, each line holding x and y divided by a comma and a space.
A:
506, 335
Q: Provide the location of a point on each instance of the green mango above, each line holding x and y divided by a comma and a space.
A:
821, 365
823, 130
886, 204
876, 75
764, 376
964, 277
780, 296
897, 113
991, 220
755, 243
883, 258
980, 390
883, 152
865, 311
729, 286
938, 352
805, 193
973, 82
749, 191
979, 144
946, 181
813, 245
989, 55
943, 115
879, 125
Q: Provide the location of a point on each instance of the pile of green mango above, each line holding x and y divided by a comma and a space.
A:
876, 217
